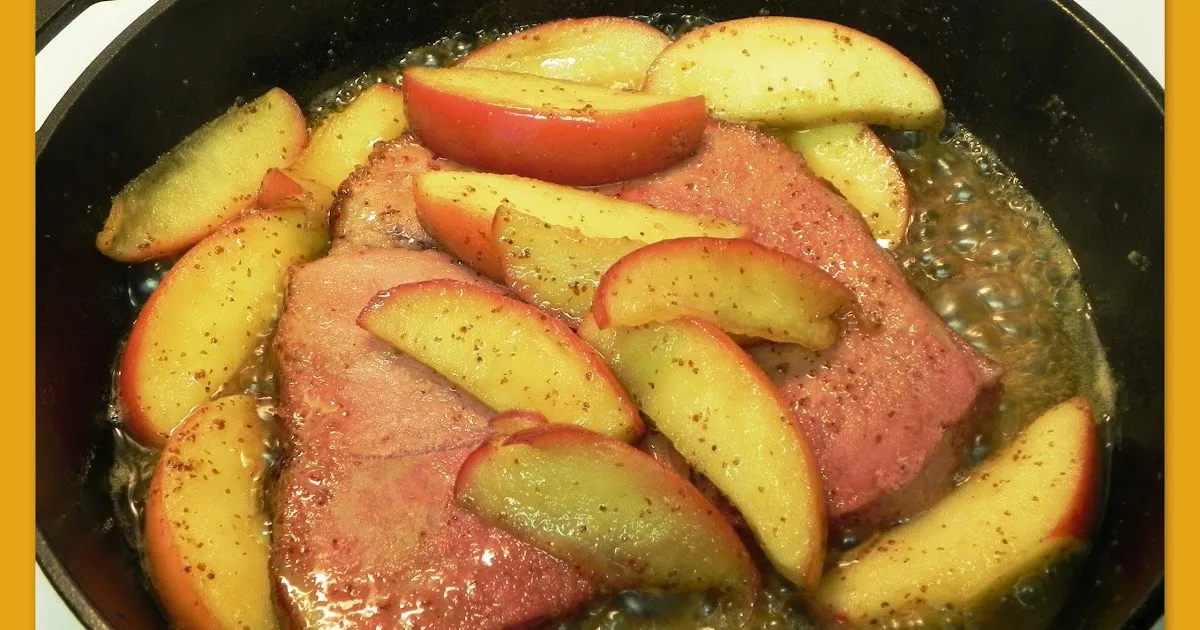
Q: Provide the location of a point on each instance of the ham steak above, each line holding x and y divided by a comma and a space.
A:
374, 207
889, 408
366, 532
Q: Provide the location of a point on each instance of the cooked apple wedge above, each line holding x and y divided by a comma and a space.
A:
797, 72
459, 210
207, 315
723, 415
207, 535
515, 421
553, 267
610, 52
507, 354
852, 158
1027, 506
206, 180
558, 131
344, 140
742, 287
608, 508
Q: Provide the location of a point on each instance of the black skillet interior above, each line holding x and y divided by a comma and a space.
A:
1074, 116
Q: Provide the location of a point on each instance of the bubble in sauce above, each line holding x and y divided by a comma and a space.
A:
143, 279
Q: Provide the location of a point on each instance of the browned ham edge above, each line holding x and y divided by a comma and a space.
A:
374, 207
890, 407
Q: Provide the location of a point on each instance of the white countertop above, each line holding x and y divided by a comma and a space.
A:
1139, 24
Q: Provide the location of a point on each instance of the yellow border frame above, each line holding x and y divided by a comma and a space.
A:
1182, 344
16, 258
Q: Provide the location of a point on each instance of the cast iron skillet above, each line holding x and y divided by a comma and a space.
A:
1064, 104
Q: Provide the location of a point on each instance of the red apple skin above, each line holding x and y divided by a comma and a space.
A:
170, 579
580, 149
276, 186
281, 188
1080, 519
228, 427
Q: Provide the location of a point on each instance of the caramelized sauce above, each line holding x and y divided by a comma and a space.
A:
981, 251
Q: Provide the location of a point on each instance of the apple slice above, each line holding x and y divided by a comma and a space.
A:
207, 535
721, 412
208, 315
553, 267
797, 72
608, 508
209, 178
344, 140
1026, 507
507, 354
459, 210
559, 131
741, 286
852, 158
610, 52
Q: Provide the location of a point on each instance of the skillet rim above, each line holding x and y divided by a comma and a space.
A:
1148, 610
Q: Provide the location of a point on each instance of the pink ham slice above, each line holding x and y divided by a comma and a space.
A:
889, 408
366, 534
